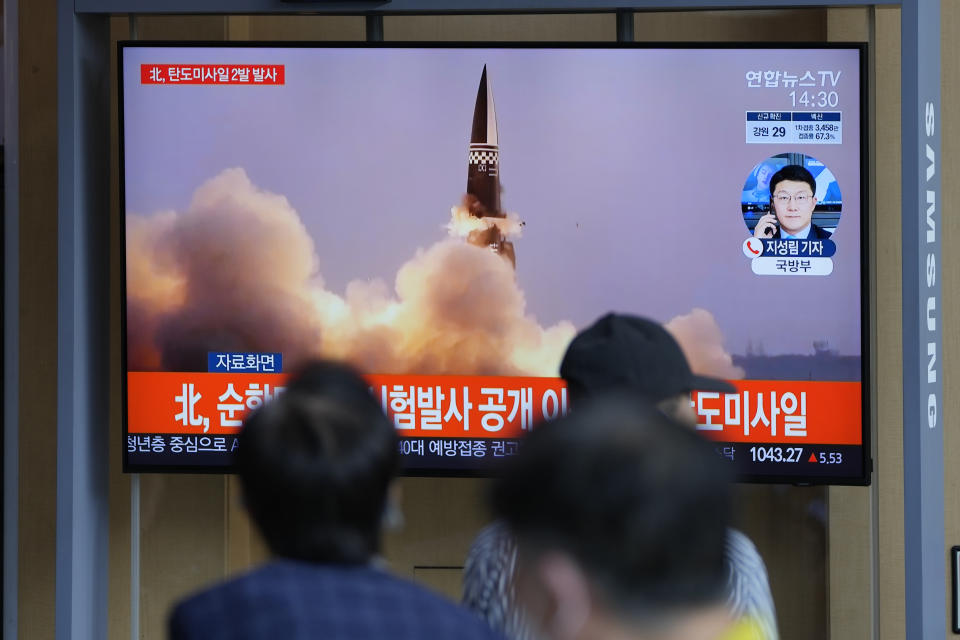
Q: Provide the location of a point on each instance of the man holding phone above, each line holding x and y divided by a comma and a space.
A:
792, 198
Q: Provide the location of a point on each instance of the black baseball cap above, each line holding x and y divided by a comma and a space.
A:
629, 353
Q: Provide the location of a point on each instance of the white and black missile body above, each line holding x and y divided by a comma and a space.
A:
483, 174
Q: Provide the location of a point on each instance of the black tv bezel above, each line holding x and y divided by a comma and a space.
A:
866, 373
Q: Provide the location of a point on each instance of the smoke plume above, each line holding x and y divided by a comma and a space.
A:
701, 340
237, 271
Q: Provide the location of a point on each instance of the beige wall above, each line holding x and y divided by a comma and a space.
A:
193, 530
37, 316
888, 519
949, 268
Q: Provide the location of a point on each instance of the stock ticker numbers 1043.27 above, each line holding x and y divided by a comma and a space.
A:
776, 454
794, 454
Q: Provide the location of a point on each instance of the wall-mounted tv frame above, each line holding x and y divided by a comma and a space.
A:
374, 203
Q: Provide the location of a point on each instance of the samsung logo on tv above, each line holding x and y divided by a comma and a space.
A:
929, 126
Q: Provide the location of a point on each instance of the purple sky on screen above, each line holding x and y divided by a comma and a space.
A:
627, 166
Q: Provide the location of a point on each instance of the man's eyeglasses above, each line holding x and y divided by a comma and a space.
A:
800, 198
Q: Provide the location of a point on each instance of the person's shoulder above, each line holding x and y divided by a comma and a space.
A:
488, 575
312, 596
263, 594
738, 542
376, 594
493, 538
741, 550
199, 614
819, 232
749, 596
204, 597
435, 615
240, 583
489, 566
212, 598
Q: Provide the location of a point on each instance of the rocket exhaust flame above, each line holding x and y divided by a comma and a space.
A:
462, 223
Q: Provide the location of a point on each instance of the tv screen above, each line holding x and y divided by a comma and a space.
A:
376, 204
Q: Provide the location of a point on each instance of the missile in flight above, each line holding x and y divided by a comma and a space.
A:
483, 174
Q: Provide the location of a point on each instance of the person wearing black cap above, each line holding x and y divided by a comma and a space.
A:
637, 356
628, 353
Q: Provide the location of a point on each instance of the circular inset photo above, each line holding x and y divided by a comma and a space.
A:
791, 196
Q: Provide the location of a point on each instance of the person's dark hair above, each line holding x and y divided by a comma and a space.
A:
793, 172
315, 464
640, 502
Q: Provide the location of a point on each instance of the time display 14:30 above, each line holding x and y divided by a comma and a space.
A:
814, 98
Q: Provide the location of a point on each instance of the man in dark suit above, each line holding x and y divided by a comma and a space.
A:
316, 464
792, 198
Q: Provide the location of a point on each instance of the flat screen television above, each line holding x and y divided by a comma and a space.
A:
374, 203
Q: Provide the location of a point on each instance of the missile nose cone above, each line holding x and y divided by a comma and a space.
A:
483, 171
483, 175
484, 114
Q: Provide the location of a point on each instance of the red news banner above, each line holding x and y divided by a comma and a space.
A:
494, 407
178, 73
